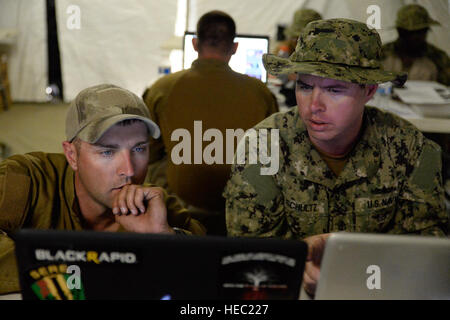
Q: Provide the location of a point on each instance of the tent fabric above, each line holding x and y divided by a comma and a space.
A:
117, 43
27, 56
120, 42
263, 16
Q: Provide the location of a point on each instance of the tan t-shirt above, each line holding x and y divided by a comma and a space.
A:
210, 92
37, 191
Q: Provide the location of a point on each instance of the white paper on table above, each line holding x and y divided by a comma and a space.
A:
396, 107
424, 92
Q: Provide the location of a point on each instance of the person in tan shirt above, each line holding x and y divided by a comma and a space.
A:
97, 184
211, 93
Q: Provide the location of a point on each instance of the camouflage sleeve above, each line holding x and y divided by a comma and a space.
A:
421, 204
254, 202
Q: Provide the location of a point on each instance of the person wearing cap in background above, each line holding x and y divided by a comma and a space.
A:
343, 166
301, 18
411, 53
222, 99
95, 185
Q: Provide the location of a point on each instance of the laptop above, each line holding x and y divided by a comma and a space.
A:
102, 265
392, 267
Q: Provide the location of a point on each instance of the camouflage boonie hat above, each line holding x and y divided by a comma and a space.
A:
96, 109
301, 18
340, 49
414, 17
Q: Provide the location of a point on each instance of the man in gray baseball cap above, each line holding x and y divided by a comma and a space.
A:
95, 185
98, 108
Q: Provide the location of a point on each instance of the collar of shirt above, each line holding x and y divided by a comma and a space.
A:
209, 63
363, 162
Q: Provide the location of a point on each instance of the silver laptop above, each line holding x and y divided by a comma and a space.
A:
393, 267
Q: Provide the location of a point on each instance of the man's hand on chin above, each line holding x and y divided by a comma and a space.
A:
141, 209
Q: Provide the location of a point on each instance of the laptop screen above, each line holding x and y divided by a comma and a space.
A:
246, 60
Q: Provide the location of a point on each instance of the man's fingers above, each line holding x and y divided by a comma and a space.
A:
312, 271
139, 199
316, 247
309, 283
115, 206
130, 198
150, 193
122, 200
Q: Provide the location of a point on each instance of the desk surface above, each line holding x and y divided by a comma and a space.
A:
437, 121
11, 296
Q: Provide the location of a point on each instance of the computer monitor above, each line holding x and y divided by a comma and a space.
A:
246, 60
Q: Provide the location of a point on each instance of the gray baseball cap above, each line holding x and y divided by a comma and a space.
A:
96, 109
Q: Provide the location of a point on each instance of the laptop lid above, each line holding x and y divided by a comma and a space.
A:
246, 60
374, 266
103, 265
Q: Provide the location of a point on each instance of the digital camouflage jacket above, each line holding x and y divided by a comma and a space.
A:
391, 183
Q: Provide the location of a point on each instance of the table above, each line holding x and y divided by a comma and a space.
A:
437, 123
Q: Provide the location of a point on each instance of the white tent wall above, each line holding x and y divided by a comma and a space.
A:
263, 16
27, 56
118, 42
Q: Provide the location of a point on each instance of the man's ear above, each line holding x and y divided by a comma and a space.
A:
195, 43
71, 153
234, 47
370, 90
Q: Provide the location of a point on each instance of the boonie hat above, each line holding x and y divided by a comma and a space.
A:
414, 17
98, 108
340, 49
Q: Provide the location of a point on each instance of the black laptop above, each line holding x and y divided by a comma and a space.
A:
88, 265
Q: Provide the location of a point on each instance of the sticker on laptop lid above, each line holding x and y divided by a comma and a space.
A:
257, 276
57, 282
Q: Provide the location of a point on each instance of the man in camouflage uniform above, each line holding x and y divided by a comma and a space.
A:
342, 166
411, 52
301, 18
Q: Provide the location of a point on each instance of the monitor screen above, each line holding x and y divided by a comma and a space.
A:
247, 59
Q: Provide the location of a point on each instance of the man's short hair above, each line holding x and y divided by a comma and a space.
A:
216, 29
